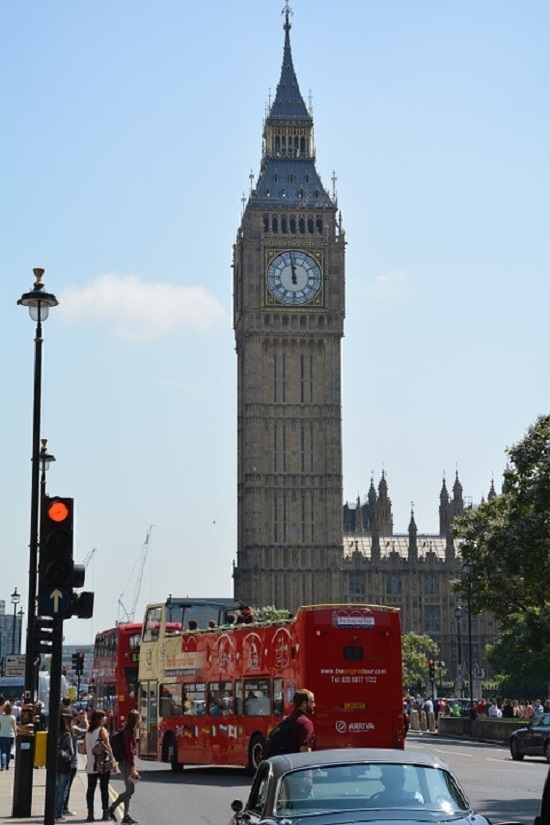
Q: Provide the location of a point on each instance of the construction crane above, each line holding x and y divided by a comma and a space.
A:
128, 615
88, 557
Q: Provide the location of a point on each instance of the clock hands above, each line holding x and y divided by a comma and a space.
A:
294, 278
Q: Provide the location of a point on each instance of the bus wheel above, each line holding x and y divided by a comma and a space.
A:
171, 754
255, 752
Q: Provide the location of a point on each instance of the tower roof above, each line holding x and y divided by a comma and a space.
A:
289, 103
288, 177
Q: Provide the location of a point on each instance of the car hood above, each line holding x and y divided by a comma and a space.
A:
371, 817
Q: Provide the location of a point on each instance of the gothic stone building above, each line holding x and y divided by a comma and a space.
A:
413, 571
289, 306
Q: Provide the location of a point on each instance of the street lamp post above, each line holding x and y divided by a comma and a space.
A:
39, 302
467, 570
458, 617
15, 596
20, 613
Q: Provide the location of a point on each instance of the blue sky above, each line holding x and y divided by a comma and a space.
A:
130, 130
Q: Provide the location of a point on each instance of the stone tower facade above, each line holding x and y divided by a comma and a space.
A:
289, 305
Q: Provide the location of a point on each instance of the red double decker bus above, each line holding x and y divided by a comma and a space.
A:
115, 672
212, 695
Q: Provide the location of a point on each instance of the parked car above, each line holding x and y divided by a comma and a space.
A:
341, 787
532, 740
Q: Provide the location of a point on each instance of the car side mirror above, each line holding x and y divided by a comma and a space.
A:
237, 806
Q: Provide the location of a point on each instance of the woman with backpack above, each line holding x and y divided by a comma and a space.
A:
98, 764
126, 751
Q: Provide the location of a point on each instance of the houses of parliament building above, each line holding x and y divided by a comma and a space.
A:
293, 545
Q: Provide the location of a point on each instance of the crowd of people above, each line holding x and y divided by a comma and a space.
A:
524, 709
85, 733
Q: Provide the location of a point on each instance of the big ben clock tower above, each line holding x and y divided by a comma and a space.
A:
289, 305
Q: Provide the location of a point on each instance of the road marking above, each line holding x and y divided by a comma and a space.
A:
440, 750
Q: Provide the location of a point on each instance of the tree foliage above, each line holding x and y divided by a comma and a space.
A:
519, 675
505, 543
416, 650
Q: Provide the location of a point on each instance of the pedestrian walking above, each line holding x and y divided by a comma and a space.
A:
8, 730
64, 763
79, 726
302, 731
99, 760
127, 766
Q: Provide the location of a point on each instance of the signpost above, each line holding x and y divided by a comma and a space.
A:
14, 665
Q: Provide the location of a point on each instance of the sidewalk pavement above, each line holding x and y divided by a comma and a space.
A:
77, 799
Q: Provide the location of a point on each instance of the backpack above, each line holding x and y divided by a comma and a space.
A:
278, 741
117, 745
102, 758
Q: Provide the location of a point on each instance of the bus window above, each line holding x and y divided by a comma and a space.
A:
170, 703
278, 697
257, 697
151, 628
238, 698
134, 641
353, 653
220, 699
194, 699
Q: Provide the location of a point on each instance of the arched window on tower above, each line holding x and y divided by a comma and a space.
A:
283, 146
319, 223
266, 223
274, 224
284, 225
293, 224
301, 225
301, 194
278, 146
310, 226
302, 146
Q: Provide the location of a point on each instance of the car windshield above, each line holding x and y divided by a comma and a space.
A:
377, 786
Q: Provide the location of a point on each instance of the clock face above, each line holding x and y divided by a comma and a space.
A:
294, 277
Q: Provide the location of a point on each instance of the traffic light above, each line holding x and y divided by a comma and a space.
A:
43, 629
57, 572
74, 661
431, 668
79, 663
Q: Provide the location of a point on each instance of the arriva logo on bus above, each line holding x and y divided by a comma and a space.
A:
343, 727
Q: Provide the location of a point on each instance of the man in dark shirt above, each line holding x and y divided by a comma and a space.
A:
302, 732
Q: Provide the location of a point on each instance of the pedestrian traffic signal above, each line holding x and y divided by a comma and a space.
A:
57, 572
43, 630
79, 663
431, 668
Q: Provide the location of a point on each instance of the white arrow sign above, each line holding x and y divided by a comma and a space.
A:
56, 596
